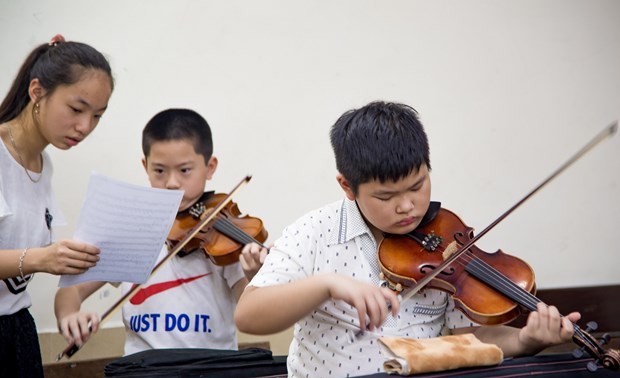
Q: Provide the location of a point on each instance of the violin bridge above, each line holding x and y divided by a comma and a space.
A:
452, 247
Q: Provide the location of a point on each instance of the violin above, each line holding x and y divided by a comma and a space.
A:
487, 287
223, 238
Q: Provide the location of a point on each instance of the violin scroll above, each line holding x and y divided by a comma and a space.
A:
609, 359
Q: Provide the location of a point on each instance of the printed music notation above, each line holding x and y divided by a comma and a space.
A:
129, 224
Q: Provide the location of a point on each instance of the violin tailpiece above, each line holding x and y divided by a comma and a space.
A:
197, 210
431, 242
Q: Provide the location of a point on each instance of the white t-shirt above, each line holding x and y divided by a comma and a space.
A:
187, 303
23, 208
335, 239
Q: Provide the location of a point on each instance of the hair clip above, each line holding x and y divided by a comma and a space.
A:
58, 38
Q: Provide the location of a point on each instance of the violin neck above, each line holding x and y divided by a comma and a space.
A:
489, 275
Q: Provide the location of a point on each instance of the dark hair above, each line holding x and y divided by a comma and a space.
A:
178, 124
62, 63
382, 141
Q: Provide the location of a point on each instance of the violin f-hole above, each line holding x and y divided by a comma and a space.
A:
426, 268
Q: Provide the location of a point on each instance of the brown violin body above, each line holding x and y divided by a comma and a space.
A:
223, 238
404, 260
489, 288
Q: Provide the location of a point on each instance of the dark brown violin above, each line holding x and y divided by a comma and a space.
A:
487, 287
223, 238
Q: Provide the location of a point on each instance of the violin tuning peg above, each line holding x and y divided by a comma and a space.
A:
605, 339
577, 353
592, 366
591, 326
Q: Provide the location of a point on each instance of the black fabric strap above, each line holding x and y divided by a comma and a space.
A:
215, 363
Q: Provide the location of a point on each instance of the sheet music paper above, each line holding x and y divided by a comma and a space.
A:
129, 224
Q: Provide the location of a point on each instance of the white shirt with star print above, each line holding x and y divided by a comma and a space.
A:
336, 239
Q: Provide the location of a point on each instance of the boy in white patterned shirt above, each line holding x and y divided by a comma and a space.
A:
322, 275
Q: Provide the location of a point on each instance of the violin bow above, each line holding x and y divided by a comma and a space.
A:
73, 348
605, 133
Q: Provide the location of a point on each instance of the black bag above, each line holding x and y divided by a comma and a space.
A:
212, 363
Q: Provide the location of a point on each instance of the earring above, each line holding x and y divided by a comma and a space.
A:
36, 108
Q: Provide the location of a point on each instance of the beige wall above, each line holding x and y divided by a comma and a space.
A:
507, 90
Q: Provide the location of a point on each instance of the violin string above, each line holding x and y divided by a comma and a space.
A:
503, 282
231, 230
525, 297
500, 280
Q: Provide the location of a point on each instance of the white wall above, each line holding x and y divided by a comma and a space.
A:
508, 90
